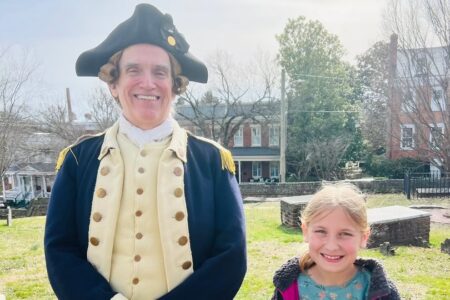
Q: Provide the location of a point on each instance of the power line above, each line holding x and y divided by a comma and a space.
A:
320, 76
325, 111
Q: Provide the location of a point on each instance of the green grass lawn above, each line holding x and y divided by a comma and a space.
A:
420, 273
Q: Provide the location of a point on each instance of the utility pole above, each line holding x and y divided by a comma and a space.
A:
283, 127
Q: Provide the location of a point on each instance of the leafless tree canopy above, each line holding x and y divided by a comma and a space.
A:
104, 108
421, 81
236, 94
324, 157
54, 119
15, 74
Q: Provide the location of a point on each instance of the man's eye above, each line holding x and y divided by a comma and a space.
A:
160, 73
133, 71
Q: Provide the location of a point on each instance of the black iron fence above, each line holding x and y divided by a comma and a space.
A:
426, 185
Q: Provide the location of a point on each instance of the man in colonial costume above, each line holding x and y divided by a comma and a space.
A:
145, 210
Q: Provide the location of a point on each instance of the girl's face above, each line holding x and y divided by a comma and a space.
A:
334, 240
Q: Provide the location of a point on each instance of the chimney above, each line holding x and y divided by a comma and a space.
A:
70, 114
392, 73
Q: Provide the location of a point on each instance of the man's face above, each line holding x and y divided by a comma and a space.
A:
144, 86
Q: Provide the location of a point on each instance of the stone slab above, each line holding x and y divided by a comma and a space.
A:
390, 214
297, 199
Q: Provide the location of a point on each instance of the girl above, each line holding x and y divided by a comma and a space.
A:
334, 223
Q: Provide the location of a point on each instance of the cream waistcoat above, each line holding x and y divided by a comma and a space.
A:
163, 251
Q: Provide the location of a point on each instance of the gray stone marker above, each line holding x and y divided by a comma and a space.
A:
396, 213
290, 209
398, 225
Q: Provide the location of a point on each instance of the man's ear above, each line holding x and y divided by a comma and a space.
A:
113, 90
305, 232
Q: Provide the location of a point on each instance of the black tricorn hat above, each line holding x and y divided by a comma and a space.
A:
147, 25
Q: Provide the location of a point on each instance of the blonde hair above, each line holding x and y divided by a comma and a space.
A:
341, 195
110, 72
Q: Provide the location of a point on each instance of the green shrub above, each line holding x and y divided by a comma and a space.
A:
380, 166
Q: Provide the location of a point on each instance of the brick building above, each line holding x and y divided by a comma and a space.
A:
254, 142
418, 116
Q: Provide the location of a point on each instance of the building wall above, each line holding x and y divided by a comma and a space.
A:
398, 117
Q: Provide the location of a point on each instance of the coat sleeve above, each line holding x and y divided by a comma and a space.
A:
69, 272
221, 275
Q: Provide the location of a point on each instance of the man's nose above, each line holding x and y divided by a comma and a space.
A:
147, 80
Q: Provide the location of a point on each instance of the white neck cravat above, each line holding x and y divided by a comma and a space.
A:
141, 137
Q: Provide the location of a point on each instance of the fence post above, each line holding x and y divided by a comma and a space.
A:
407, 185
9, 218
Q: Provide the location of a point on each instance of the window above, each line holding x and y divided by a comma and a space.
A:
256, 169
408, 101
238, 140
256, 136
436, 135
407, 137
421, 65
274, 169
274, 135
438, 100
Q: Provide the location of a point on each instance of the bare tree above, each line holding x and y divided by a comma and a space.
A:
104, 109
419, 74
324, 157
237, 94
15, 76
54, 120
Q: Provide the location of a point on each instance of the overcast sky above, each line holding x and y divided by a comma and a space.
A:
57, 31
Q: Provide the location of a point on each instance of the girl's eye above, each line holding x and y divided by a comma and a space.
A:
320, 231
346, 234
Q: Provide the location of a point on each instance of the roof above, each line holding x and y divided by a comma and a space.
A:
255, 151
31, 168
222, 110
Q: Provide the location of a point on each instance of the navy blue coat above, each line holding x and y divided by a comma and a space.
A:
215, 219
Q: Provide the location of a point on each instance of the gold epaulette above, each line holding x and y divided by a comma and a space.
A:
63, 153
225, 154
62, 156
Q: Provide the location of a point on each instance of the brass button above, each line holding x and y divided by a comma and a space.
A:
139, 191
97, 217
182, 241
138, 213
179, 216
137, 258
104, 171
101, 193
186, 265
143, 153
135, 281
177, 171
141, 170
94, 241
178, 192
139, 235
